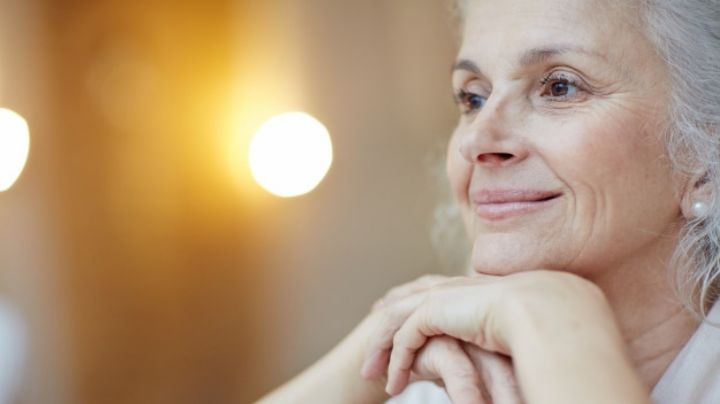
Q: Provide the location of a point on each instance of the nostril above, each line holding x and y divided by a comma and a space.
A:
495, 158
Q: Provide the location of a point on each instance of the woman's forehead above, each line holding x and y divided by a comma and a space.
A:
521, 31
539, 19
539, 54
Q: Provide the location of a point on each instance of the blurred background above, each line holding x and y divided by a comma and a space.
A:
142, 261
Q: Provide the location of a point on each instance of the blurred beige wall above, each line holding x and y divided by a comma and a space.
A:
150, 269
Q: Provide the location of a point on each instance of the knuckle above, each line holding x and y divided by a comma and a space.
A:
395, 316
378, 303
397, 340
385, 314
438, 346
461, 373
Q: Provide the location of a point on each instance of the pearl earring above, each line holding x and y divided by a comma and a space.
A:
700, 209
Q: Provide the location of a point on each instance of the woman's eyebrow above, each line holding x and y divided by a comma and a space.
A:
464, 64
544, 53
531, 57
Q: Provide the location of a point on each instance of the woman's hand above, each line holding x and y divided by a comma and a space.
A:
469, 374
335, 378
497, 374
557, 327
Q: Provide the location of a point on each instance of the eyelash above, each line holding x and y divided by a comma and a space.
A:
560, 77
553, 77
461, 100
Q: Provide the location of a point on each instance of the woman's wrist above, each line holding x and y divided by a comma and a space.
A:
594, 371
571, 353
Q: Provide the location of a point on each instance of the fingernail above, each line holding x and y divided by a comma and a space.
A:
389, 387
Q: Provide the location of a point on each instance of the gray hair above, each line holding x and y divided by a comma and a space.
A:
686, 35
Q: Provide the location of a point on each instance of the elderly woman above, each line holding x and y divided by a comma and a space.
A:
586, 166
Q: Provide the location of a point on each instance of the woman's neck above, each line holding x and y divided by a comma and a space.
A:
652, 319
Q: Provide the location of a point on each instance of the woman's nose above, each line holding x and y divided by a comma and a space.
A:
491, 143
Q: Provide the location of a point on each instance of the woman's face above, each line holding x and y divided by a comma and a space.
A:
558, 160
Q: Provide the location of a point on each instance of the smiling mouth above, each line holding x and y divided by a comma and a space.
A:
501, 204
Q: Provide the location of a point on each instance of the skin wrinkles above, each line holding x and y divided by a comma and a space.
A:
535, 56
601, 202
526, 79
560, 136
603, 149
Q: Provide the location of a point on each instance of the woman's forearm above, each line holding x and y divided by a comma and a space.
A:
583, 373
333, 379
584, 362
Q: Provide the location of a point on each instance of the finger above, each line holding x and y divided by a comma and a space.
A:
497, 375
378, 349
405, 300
459, 312
500, 379
444, 358
406, 342
460, 308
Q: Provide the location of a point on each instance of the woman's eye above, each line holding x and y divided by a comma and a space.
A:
559, 87
470, 102
562, 88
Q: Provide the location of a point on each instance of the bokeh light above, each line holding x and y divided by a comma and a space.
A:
290, 154
14, 147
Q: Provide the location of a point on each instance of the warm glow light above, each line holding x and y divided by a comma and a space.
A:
14, 147
290, 154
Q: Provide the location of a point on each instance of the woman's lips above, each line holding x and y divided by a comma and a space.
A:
497, 204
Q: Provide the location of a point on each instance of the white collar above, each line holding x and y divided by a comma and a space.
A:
694, 374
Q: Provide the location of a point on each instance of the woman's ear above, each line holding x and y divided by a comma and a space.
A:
695, 202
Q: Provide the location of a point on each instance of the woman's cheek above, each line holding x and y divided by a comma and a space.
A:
589, 148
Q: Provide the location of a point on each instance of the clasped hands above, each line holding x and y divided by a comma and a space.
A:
467, 332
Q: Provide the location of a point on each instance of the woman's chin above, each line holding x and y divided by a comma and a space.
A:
501, 261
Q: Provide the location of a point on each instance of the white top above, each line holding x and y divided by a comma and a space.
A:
692, 378
694, 375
